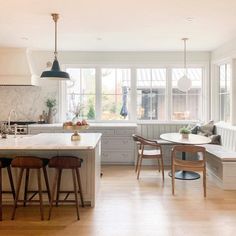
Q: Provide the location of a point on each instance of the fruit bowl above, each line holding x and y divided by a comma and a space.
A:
74, 127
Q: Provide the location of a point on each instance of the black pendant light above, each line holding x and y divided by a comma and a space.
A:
55, 73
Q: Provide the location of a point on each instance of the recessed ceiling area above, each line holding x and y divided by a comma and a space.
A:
124, 25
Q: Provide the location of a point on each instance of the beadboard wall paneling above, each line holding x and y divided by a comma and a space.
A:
228, 135
153, 131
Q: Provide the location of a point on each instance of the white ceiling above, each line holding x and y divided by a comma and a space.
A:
118, 25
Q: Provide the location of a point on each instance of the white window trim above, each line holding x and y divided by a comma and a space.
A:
133, 110
215, 90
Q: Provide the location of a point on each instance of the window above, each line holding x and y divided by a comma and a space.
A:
80, 93
225, 92
125, 94
115, 94
151, 86
187, 106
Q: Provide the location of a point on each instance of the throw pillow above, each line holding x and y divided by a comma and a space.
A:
215, 139
194, 129
206, 129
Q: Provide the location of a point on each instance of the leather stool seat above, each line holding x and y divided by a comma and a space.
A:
4, 162
27, 163
66, 162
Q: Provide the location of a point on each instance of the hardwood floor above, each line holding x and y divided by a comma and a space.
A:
126, 206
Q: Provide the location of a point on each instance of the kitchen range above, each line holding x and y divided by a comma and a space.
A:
18, 127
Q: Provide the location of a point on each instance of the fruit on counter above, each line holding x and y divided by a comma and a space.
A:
79, 123
68, 123
84, 122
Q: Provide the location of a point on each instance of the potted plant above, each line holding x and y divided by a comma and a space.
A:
184, 131
51, 103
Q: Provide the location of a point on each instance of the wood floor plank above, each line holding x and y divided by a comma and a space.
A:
126, 206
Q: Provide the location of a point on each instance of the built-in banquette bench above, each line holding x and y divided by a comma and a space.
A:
221, 159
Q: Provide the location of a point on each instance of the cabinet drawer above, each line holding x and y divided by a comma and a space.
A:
124, 132
104, 132
117, 143
117, 157
39, 131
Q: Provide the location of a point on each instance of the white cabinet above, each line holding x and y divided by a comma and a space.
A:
118, 146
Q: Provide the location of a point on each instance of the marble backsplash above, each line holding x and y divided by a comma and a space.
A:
27, 101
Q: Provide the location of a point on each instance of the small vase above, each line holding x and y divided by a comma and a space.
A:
185, 136
50, 116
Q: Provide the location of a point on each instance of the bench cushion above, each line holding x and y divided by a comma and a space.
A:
220, 152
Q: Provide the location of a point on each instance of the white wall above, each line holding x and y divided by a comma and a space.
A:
224, 54
120, 58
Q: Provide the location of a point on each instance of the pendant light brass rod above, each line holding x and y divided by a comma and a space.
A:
55, 17
185, 57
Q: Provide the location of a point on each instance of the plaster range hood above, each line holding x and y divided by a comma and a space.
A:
16, 67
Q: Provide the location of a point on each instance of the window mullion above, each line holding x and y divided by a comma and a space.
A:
151, 94
168, 93
133, 95
98, 93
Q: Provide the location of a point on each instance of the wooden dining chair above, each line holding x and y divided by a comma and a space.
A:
187, 165
148, 149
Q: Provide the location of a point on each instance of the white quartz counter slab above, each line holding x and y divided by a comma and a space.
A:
50, 141
97, 125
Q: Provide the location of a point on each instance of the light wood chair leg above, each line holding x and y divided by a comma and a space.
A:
173, 180
76, 192
11, 182
139, 168
0, 194
53, 193
162, 169
47, 183
17, 193
26, 186
159, 167
204, 182
137, 162
58, 187
80, 186
40, 193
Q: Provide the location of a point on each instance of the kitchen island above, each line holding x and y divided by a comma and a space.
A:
47, 145
118, 146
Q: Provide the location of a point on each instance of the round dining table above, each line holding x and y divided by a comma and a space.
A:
193, 139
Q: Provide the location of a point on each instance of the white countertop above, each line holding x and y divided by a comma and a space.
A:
50, 141
97, 125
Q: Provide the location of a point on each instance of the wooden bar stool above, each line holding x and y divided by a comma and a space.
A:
27, 163
66, 162
5, 163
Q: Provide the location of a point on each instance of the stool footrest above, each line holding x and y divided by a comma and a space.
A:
55, 201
